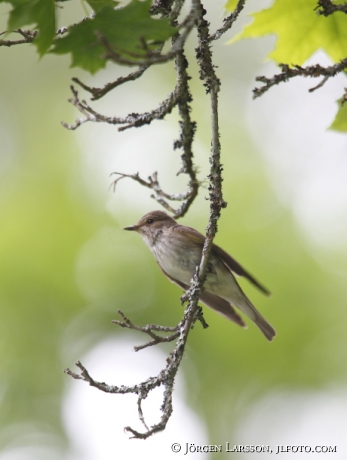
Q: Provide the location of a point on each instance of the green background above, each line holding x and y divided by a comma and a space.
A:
52, 206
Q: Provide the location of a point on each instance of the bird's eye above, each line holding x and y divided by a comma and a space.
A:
150, 221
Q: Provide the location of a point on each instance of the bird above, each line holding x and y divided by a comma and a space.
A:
178, 249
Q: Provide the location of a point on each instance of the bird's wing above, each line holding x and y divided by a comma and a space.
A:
236, 268
228, 261
222, 306
218, 304
193, 235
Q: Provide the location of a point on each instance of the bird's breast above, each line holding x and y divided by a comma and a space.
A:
177, 258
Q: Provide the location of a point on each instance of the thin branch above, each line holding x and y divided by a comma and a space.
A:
162, 7
188, 128
166, 377
152, 57
344, 97
28, 37
100, 92
228, 21
327, 7
148, 329
130, 121
181, 97
212, 85
160, 196
314, 71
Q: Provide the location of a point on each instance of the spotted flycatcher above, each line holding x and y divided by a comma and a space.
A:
178, 249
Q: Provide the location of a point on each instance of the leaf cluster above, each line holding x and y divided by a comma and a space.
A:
130, 30
302, 28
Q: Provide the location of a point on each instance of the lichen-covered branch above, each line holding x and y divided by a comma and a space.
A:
327, 7
100, 92
212, 85
148, 329
165, 378
313, 71
228, 21
193, 312
159, 195
133, 120
28, 37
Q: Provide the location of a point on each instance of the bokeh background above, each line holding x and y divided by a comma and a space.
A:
67, 266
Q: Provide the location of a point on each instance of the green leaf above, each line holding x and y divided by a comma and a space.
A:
231, 5
38, 12
123, 29
300, 31
340, 122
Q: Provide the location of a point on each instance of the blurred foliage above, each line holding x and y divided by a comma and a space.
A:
300, 31
66, 268
41, 13
122, 29
130, 31
340, 122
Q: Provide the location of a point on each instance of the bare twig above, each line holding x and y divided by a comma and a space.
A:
148, 329
327, 7
344, 97
130, 121
100, 92
228, 21
314, 71
160, 196
28, 37
166, 377
179, 97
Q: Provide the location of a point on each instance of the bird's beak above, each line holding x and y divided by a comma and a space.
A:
132, 227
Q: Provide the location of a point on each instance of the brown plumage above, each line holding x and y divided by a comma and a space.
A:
178, 250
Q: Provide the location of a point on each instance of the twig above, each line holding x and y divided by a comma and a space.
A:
228, 21
166, 377
28, 35
160, 196
132, 120
100, 92
148, 329
327, 7
313, 71
179, 97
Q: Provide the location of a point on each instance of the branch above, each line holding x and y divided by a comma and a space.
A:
153, 57
130, 121
28, 37
287, 73
181, 98
100, 92
166, 377
327, 7
212, 85
148, 329
161, 196
192, 311
228, 21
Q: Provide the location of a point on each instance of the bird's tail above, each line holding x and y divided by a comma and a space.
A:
246, 306
265, 327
